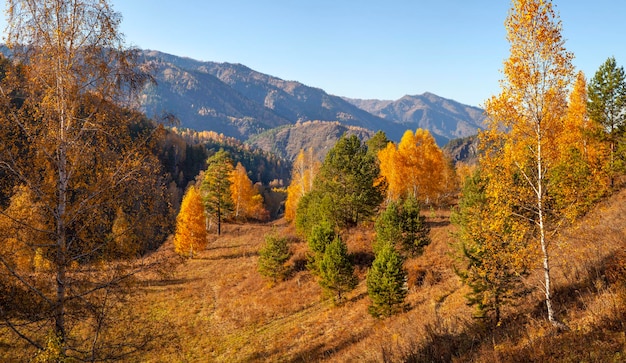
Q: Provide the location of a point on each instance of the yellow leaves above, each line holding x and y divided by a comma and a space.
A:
190, 225
303, 173
416, 167
248, 203
22, 230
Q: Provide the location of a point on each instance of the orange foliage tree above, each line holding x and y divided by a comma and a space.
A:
305, 167
577, 177
190, 225
247, 202
417, 167
526, 119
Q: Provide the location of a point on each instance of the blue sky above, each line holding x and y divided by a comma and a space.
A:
367, 49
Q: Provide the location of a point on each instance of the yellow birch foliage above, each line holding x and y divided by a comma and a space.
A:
248, 203
417, 167
305, 167
22, 232
531, 107
190, 225
124, 242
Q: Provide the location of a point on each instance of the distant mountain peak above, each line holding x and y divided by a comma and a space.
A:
235, 100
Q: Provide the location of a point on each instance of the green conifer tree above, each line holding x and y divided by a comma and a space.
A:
336, 270
215, 187
414, 228
272, 258
322, 235
388, 227
386, 283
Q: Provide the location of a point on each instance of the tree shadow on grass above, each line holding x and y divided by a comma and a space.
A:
232, 256
362, 259
316, 353
166, 282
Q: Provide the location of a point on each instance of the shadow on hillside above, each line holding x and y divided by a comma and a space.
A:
217, 248
362, 259
320, 352
358, 297
166, 282
438, 224
232, 256
602, 340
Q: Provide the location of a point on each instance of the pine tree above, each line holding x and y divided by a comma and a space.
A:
490, 248
386, 283
322, 235
272, 258
215, 188
336, 270
413, 226
607, 108
388, 227
348, 177
190, 234
403, 227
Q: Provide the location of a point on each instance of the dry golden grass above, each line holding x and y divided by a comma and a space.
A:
218, 308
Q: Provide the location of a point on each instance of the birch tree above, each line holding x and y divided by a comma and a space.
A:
531, 108
66, 138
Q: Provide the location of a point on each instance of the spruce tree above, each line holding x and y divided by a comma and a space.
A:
336, 270
386, 283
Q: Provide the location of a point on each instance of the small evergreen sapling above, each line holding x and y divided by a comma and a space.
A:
386, 283
336, 270
272, 258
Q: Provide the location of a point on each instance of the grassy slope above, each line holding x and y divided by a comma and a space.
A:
221, 309
216, 307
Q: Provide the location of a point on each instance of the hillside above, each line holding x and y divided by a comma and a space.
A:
446, 119
287, 141
241, 102
463, 149
218, 308
202, 102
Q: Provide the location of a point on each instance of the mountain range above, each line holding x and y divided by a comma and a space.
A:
240, 102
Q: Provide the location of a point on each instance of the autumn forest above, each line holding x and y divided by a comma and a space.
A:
129, 238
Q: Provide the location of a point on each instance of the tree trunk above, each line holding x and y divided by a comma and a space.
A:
541, 224
61, 252
219, 220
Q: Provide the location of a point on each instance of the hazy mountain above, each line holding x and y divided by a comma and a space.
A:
240, 102
287, 141
446, 119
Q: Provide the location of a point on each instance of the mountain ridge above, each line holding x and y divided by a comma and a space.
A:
240, 102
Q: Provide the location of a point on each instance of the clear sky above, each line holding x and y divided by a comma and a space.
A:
380, 49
